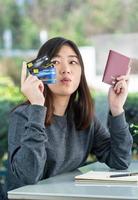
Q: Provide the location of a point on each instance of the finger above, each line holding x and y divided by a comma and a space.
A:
118, 90
23, 72
32, 78
119, 84
121, 87
39, 84
125, 77
113, 80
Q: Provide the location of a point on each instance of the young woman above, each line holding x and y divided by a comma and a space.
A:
56, 129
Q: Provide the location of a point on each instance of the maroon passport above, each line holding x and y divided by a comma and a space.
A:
117, 65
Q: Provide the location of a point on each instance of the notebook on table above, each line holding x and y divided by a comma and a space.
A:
104, 177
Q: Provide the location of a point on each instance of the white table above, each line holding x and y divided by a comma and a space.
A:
63, 187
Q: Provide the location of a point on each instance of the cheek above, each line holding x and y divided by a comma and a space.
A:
78, 77
53, 87
79, 71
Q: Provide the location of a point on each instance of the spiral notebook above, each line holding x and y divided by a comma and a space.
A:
117, 64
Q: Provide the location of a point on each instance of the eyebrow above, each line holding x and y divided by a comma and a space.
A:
70, 56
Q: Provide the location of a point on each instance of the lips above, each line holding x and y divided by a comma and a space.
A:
65, 80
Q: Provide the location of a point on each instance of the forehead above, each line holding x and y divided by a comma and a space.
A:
66, 50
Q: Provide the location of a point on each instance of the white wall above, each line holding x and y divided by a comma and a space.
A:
88, 56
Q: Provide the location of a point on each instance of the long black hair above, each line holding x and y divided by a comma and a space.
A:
80, 101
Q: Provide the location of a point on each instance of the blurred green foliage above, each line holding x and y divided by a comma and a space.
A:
10, 96
131, 107
77, 20
11, 67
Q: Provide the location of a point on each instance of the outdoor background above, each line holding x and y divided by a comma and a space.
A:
95, 25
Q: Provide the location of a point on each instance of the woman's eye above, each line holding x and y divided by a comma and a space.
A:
55, 62
73, 62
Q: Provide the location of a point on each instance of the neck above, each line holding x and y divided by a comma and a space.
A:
60, 105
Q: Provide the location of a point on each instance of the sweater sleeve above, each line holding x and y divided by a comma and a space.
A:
26, 143
113, 147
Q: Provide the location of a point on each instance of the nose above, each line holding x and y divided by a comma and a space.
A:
65, 69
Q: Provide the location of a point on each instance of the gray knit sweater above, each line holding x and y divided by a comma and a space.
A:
37, 152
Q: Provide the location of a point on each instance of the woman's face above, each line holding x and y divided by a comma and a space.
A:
68, 72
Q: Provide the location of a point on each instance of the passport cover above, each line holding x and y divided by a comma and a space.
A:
117, 65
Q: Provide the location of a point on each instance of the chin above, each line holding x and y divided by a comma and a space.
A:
66, 93
63, 92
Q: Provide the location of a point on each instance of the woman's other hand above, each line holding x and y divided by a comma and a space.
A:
32, 87
118, 93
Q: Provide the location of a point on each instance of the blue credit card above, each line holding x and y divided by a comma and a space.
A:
43, 69
47, 75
